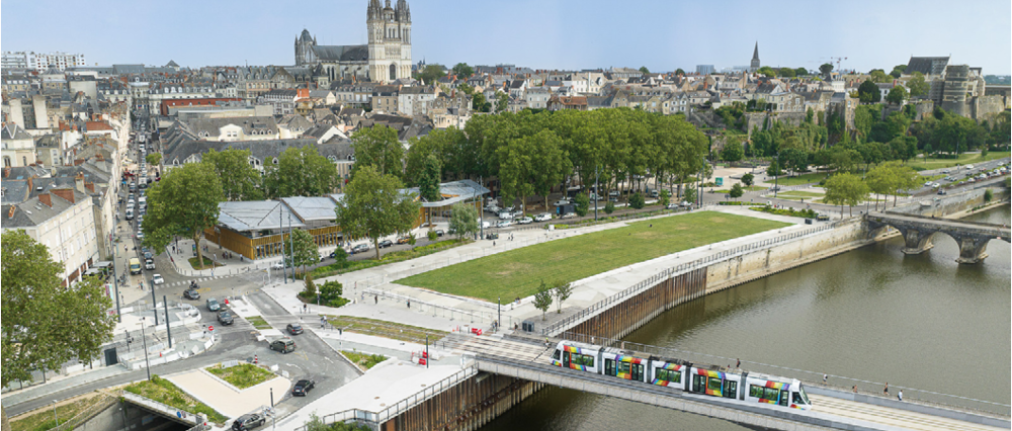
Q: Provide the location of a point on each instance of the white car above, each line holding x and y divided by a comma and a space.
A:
927, 184
543, 217
277, 265
157, 279
504, 223
486, 225
562, 202
525, 220
505, 215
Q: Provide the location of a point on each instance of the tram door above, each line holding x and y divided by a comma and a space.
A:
785, 398
637, 372
565, 359
609, 367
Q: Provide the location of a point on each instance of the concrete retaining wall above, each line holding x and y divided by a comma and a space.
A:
910, 407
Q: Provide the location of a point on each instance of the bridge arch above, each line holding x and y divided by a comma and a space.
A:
918, 232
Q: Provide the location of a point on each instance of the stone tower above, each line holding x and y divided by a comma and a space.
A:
389, 41
304, 53
754, 66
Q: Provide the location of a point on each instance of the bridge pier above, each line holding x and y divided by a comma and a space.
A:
917, 241
972, 249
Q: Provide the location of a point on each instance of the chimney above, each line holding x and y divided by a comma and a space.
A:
30, 186
7, 172
90, 187
79, 182
46, 199
66, 194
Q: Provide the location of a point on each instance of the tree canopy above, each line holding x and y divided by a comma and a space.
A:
897, 95
826, 68
378, 146
300, 172
240, 181
868, 92
918, 85
431, 73
845, 189
153, 158
304, 250
184, 203
374, 207
463, 71
464, 220
45, 324
644, 70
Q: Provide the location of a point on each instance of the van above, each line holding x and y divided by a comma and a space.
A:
129, 213
135, 266
283, 345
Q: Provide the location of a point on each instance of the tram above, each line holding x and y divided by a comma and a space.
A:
709, 380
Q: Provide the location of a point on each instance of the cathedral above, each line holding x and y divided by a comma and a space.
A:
386, 58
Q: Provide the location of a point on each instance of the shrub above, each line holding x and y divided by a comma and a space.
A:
432, 235
636, 201
582, 202
988, 195
309, 293
609, 207
330, 291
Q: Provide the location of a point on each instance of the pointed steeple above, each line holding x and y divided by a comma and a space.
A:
755, 54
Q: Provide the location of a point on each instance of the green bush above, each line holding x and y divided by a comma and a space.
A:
636, 201
988, 196
432, 235
309, 293
582, 202
609, 207
397, 256
806, 213
330, 291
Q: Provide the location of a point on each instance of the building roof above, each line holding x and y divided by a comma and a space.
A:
335, 53
454, 192
926, 65
312, 208
13, 131
256, 215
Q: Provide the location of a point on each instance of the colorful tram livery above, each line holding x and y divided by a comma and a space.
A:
714, 381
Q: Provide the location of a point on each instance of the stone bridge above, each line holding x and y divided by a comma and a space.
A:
917, 231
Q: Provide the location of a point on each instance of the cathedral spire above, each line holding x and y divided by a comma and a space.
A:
755, 54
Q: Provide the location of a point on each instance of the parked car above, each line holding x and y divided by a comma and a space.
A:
225, 318
213, 305
148, 255
562, 202
596, 197
672, 206
361, 248
191, 293
140, 235
505, 215
440, 232
543, 217
149, 264
248, 422
486, 225
385, 243
503, 223
294, 328
525, 220
283, 345
157, 279
942, 192
302, 387
404, 240
277, 265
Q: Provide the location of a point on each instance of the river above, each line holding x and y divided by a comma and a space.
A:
920, 321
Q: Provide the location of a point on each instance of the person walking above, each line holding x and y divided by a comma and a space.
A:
886, 390
825, 379
738, 365
376, 299
899, 396
855, 389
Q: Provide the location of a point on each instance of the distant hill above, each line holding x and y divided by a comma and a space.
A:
998, 79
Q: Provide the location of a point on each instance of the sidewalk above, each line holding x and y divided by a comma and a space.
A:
439, 311
61, 383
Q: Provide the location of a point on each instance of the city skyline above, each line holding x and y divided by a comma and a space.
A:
592, 36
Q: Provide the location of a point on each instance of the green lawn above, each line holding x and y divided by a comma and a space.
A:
798, 195
363, 360
43, 419
964, 159
798, 180
381, 328
258, 322
163, 391
747, 189
195, 263
242, 376
520, 272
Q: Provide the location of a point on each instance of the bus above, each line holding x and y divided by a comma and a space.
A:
135, 266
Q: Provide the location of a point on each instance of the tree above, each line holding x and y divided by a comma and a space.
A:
609, 207
582, 204
430, 74
774, 169
917, 85
845, 189
153, 159
897, 95
736, 191
644, 70
310, 292
543, 299
517, 159
304, 250
767, 71
240, 181
879, 76
184, 203
679, 72
665, 198
374, 207
479, 104
330, 293
732, 152
801, 71
463, 71
45, 324
562, 293
898, 70
501, 102
825, 69
988, 196
378, 146
747, 179
868, 92
550, 164
466, 89
300, 172
637, 201
428, 183
689, 195
786, 72
464, 220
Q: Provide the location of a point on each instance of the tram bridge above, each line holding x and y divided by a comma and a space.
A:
918, 231
526, 359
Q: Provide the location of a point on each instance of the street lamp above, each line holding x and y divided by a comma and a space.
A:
147, 363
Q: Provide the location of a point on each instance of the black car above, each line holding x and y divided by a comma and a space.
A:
191, 293
302, 387
148, 255
225, 318
386, 243
294, 328
440, 232
248, 422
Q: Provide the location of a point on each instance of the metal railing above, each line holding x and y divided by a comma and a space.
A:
810, 378
164, 408
378, 418
681, 269
485, 317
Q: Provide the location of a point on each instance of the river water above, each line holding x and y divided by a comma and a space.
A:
874, 314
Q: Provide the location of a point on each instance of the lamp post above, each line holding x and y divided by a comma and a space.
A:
115, 283
147, 363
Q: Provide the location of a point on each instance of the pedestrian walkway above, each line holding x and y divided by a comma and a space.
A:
61, 383
226, 399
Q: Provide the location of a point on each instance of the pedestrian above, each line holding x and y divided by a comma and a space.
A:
899, 396
825, 379
304, 308
173, 249
738, 364
493, 243
855, 389
376, 299
409, 303
886, 390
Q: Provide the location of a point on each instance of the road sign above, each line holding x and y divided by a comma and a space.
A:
210, 328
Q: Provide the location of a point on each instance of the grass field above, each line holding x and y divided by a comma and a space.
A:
967, 158
163, 391
799, 195
363, 360
258, 322
44, 419
380, 328
747, 189
798, 180
242, 376
520, 272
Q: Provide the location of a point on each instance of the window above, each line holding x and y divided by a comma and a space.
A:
771, 394
669, 375
755, 391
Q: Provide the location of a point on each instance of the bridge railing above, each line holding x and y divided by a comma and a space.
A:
679, 269
811, 378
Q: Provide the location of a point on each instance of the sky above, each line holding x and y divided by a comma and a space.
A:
662, 35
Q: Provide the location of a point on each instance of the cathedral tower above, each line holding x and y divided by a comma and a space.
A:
754, 66
389, 40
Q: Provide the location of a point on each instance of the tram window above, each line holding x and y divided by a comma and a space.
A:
556, 355
671, 376
796, 398
755, 391
784, 398
623, 367
714, 384
771, 394
698, 384
609, 367
731, 389
804, 395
